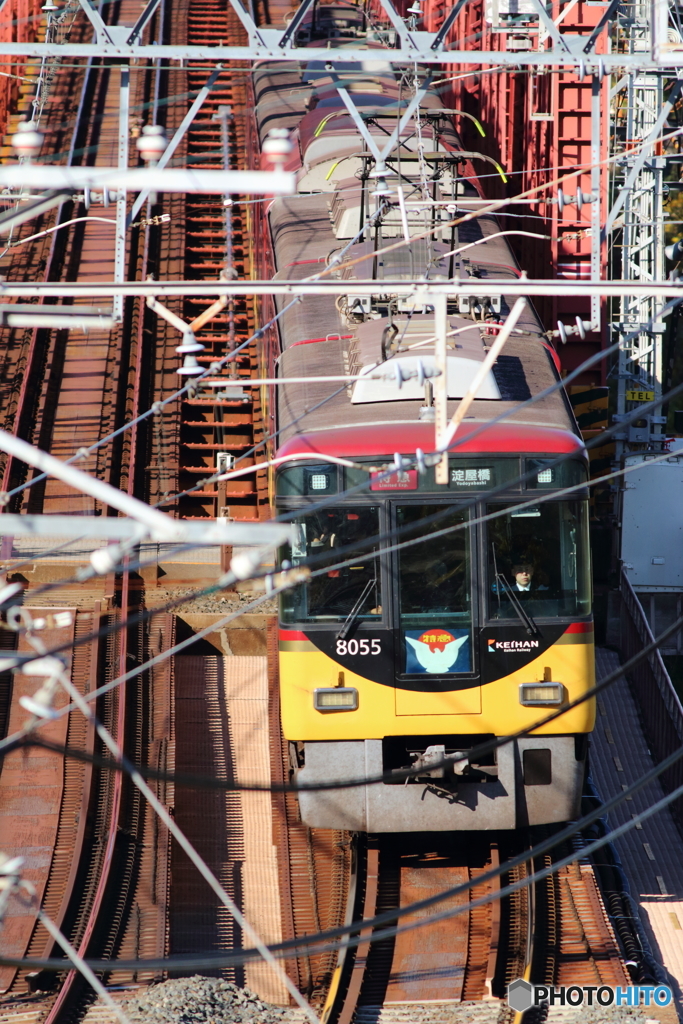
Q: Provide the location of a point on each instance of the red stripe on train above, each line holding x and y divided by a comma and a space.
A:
292, 634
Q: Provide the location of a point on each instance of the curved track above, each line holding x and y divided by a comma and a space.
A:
108, 879
555, 932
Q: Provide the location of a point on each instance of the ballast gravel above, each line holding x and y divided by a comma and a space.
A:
199, 1000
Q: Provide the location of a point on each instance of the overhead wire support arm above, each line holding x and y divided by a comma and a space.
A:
150, 520
133, 179
291, 29
381, 155
360, 124
264, 45
139, 26
248, 23
177, 138
607, 16
550, 26
412, 107
399, 25
41, 204
450, 19
119, 528
101, 30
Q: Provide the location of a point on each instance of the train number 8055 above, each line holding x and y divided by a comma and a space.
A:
353, 647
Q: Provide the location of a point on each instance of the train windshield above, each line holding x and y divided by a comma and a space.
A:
326, 538
434, 590
540, 553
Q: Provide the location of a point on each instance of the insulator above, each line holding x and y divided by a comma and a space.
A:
27, 140
580, 198
381, 189
190, 344
562, 331
151, 143
103, 560
277, 146
190, 367
674, 252
244, 565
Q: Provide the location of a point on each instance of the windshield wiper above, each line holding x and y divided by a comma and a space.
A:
355, 611
522, 615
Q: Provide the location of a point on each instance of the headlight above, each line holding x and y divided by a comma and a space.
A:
532, 694
335, 698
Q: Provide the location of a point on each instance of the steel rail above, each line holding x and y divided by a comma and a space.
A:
28, 377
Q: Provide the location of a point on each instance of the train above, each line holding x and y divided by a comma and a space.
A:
438, 615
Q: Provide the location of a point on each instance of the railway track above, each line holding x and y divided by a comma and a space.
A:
555, 932
109, 879
218, 240
104, 874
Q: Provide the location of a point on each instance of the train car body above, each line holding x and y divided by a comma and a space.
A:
438, 615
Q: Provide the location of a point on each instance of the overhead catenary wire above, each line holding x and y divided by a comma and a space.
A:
228, 579
492, 207
307, 944
478, 751
455, 443
158, 406
72, 954
486, 747
598, 440
168, 821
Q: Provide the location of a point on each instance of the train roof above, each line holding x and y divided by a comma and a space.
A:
324, 337
385, 439
331, 417
319, 341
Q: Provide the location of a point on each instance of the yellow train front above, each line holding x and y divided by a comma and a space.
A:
441, 632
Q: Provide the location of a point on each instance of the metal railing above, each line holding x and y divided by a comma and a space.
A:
660, 708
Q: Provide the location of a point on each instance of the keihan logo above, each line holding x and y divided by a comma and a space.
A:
511, 645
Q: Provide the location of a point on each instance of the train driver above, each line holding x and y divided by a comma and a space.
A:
523, 573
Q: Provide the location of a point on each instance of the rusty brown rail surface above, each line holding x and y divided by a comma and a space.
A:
114, 898
557, 931
218, 240
108, 882
104, 867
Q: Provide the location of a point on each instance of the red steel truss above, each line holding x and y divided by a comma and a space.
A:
538, 127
